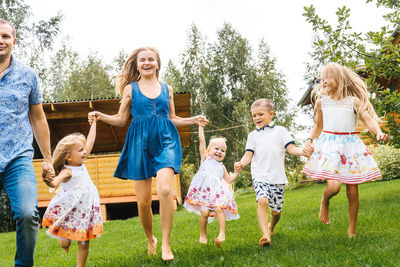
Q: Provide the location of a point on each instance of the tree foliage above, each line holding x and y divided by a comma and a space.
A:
35, 38
224, 78
88, 80
374, 55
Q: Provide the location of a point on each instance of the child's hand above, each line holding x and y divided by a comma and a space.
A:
201, 120
238, 166
382, 137
48, 173
92, 117
307, 151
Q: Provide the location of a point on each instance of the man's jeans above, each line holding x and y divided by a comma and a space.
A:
19, 181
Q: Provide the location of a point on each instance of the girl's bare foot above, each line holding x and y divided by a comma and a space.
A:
65, 245
324, 212
265, 241
351, 233
271, 231
203, 239
166, 253
152, 247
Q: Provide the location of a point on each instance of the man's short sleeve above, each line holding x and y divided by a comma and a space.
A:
35, 96
287, 139
250, 144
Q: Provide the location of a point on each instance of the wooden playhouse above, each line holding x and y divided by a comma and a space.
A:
68, 117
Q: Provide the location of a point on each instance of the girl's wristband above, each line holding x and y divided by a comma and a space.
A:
309, 139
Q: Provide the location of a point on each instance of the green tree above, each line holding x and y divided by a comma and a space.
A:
375, 51
224, 78
35, 38
88, 80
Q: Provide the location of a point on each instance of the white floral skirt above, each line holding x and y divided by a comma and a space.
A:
341, 157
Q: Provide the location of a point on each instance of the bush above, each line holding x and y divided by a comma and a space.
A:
296, 176
186, 174
388, 160
244, 180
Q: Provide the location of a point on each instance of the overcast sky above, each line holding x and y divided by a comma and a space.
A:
109, 26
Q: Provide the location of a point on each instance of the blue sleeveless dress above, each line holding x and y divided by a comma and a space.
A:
152, 141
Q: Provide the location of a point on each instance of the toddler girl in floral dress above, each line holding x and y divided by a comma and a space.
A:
207, 193
74, 213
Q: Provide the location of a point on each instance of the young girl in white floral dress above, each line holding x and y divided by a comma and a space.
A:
74, 213
207, 192
340, 156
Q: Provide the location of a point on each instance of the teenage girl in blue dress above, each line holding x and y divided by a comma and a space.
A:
152, 146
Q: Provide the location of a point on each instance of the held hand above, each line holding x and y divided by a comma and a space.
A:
238, 166
308, 149
382, 137
201, 120
48, 172
93, 116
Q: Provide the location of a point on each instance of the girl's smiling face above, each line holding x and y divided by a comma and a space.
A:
217, 149
147, 63
78, 155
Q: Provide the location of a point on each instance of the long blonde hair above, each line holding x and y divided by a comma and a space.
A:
348, 84
130, 72
64, 148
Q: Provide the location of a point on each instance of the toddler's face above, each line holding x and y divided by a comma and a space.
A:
261, 115
78, 155
217, 150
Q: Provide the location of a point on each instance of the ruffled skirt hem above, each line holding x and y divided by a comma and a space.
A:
196, 206
351, 179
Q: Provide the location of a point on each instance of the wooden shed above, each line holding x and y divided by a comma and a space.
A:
68, 117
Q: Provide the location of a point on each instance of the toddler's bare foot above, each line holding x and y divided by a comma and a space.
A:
203, 239
166, 253
218, 242
152, 247
324, 212
271, 231
65, 245
265, 241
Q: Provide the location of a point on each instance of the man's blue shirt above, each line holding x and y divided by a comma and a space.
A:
19, 89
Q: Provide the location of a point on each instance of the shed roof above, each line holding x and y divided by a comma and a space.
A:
65, 117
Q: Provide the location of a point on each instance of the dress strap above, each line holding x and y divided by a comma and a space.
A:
164, 89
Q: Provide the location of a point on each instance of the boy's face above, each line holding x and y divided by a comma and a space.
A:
261, 116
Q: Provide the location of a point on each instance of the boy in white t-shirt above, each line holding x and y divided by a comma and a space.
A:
265, 149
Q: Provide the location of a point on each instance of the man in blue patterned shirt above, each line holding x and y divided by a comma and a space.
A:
21, 116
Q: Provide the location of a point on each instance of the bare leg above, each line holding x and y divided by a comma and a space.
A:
262, 215
203, 225
354, 203
83, 251
143, 194
65, 245
221, 222
275, 216
332, 189
164, 189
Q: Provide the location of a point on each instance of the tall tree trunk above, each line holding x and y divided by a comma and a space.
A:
7, 223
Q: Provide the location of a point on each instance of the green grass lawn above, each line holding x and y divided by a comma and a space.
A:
300, 239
